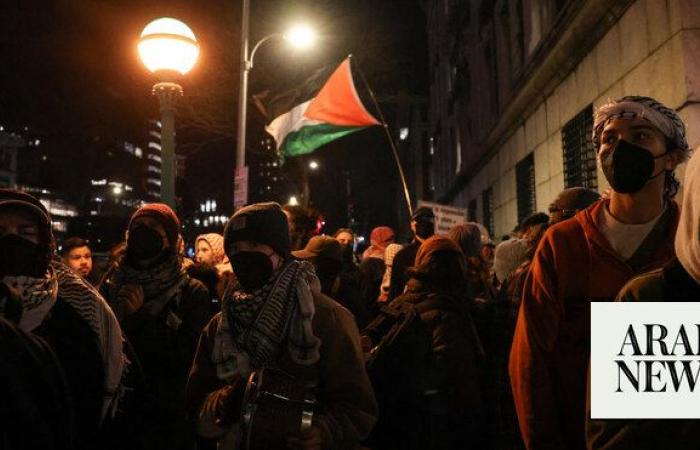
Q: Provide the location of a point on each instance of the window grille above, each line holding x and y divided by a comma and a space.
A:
487, 210
471, 210
579, 153
525, 185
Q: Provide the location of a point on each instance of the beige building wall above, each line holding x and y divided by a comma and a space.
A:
653, 50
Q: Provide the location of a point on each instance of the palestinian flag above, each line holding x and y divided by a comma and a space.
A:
334, 112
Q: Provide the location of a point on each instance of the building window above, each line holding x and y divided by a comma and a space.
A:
487, 210
525, 185
471, 211
579, 153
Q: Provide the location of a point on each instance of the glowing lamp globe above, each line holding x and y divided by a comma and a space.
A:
300, 36
168, 44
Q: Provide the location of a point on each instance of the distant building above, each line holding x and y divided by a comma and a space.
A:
514, 84
153, 161
9, 144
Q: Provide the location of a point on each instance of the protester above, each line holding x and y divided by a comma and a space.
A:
162, 311
468, 237
77, 255
451, 413
379, 238
532, 225
678, 281
423, 227
589, 258
326, 255
371, 269
276, 315
569, 202
63, 310
302, 225
389, 254
209, 250
346, 237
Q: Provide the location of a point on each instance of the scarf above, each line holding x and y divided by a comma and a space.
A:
663, 118
38, 296
254, 325
161, 283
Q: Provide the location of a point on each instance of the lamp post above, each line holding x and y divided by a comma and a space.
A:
299, 36
169, 49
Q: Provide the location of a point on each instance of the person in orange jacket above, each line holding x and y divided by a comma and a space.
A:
589, 258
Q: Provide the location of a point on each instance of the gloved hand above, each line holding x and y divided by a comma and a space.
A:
131, 296
223, 405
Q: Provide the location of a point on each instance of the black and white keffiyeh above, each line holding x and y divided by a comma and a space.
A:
665, 119
39, 295
254, 327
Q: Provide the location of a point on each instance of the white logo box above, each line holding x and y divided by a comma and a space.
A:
610, 324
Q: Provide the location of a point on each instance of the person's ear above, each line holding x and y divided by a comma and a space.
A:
673, 159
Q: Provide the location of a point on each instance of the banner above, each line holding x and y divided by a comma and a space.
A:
446, 216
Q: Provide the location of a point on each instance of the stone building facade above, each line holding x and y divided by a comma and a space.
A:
514, 84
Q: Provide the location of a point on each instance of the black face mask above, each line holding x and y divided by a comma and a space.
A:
144, 243
424, 230
252, 269
629, 167
19, 256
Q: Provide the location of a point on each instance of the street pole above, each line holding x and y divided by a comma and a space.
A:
243, 91
167, 94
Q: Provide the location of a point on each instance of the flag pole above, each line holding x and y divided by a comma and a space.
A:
406, 194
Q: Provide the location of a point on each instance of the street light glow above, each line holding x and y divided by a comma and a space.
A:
300, 36
117, 190
313, 165
293, 201
168, 44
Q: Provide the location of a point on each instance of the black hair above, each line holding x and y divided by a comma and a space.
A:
671, 183
72, 243
534, 219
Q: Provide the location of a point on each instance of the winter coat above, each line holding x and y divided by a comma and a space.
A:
165, 352
671, 283
452, 415
573, 266
35, 411
349, 408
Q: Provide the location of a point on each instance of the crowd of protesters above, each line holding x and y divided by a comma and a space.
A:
154, 350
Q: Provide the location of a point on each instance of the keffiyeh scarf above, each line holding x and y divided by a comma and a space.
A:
161, 283
665, 119
254, 326
39, 295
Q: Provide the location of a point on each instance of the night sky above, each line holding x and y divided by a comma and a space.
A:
70, 72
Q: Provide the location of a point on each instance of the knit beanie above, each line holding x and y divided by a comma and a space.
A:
18, 199
468, 237
165, 216
509, 255
216, 242
264, 223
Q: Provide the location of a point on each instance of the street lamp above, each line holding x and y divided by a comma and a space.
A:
299, 36
313, 165
169, 49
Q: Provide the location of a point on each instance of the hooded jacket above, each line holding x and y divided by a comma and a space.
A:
573, 266
679, 281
